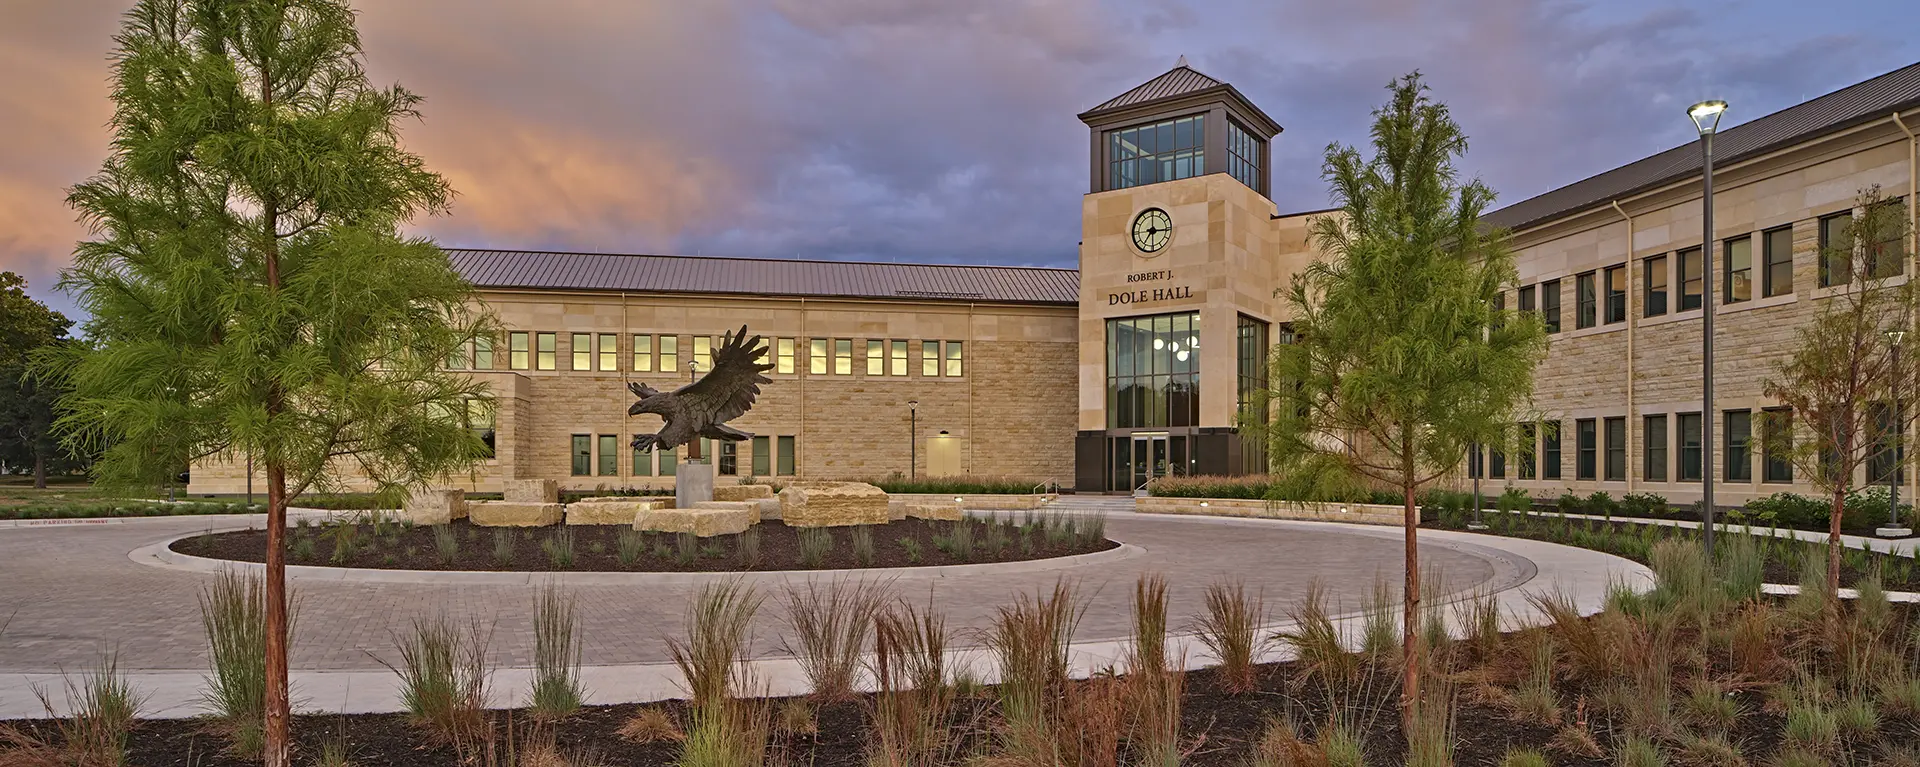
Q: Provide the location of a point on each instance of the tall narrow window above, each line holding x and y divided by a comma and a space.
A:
876, 357
1550, 450
1738, 449
483, 352
669, 354
1836, 250
609, 350
460, 357
669, 463
1883, 465
1777, 278
929, 359
1654, 433
609, 455
517, 350
1496, 461
1656, 282
1583, 301
479, 422
1550, 304
783, 457
1886, 255
897, 358
955, 359
582, 346
1525, 460
783, 356
1586, 452
642, 461
1616, 449
817, 357
729, 463
643, 354
1527, 303
703, 353
1616, 294
1689, 447
1739, 254
1690, 279
1776, 423
582, 455
843, 356
546, 354
762, 456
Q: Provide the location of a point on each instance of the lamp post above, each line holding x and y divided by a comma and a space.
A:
1706, 119
1479, 464
913, 438
1899, 444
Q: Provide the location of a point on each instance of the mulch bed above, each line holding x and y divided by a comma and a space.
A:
596, 548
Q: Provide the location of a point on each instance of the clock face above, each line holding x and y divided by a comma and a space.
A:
1152, 230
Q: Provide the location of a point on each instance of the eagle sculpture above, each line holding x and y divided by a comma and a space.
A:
703, 408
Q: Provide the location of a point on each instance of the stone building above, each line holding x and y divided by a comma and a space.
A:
1136, 364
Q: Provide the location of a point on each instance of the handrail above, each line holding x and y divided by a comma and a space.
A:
1138, 491
1049, 486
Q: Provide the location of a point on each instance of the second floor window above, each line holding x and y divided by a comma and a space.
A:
609, 351
783, 356
1550, 304
843, 356
817, 357
929, 358
897, 358
1583, 301
517, 350
1777, 277
1739, 270
1616, 294
545, 357
876, 357
1690, 279
1836, 250
1656, 282
643, 354
1527, 303
582, 351
669, 354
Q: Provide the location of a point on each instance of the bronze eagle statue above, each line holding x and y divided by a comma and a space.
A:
702, 408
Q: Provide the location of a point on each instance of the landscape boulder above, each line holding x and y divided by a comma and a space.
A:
942, 511
833, 504
612, 511
752, 508
436, 506
742, 492
703, 523
532, 491
511, 514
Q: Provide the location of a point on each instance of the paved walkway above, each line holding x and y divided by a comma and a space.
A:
74, 592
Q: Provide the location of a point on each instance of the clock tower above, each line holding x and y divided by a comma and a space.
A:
1180, 258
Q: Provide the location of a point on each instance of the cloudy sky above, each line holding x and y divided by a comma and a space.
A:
938, 131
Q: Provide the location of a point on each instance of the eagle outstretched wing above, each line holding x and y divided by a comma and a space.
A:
729, 389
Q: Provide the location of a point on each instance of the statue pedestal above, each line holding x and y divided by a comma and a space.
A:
693, 483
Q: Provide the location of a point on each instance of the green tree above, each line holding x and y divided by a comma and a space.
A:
1839, 382
1401, 359
251, 295
26, 403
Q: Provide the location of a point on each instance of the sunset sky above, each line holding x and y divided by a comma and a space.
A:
939, 131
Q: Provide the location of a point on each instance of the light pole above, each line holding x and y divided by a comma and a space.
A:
1706, 119
1899, 439
1479, 464
913, 438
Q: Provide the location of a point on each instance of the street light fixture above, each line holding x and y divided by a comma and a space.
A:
1706, 119
913, 438
1894, 529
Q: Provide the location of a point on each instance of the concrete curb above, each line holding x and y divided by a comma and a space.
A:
293, 512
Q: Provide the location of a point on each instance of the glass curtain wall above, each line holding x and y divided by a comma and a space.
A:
1163, 151
1252, 366
1153, 371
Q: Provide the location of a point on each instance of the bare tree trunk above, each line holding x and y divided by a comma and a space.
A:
278, 751
39, 472
1833, 549
1410, 605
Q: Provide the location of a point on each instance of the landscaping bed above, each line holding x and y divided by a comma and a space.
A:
129, 507
615, 548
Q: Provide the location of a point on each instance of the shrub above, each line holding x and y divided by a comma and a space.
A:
1644, 506
895, 484
686, 549
911, 548
628, 546
233, 614
1514, 499
102, 708
556, 656
1230, 631
504, 543
446, 544
718, 621
746, 547
1601, 503
1570, 503
815, 544
830, 626
559, 548
960, 538
1030, 640
1316, 638
443, 678
860, 540
912, 698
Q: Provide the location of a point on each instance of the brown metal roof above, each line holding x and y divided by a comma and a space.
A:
548, 270
1855, 104
1176, 81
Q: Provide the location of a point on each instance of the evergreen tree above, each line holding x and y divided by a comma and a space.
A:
1401, 359
251, 295
27, 328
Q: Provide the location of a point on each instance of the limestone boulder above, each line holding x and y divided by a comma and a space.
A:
512, 514
611, 511
833, 504
742, 492
752, 508
658, 501
942, 511
435, 506
703, 523
769, 508
532, 491
896, 509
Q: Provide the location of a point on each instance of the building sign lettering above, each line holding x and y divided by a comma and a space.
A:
1147, 296
1163, 274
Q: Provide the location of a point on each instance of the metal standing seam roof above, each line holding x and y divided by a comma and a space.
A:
1178, 80
1855, 104
550, 270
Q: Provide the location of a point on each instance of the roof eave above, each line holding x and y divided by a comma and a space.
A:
1222, 92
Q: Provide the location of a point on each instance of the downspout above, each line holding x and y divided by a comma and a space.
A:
800, 445
1913, 244
1631, 323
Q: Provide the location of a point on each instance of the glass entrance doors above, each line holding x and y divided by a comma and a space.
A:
1141, 456
1149, 457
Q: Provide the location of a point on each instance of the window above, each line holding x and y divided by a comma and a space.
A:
843, 356
1689, 447
876, 357
1616, 294
929, 358
517, 350
669, 462
669, 354
545, 352
1777, 251
817, 358
1550, 304
897, 358
1153, 371
1690, 279
1739, 257
1738, 450
459, 358
1550, 450
783, 456
609, 455
1243, 157
1884, 465
1654, 436
478, 418
483, 352
1836, 250
783, 356
1496, 462
643, 354
1616, 449
1163, 151
582, 455
1583, 300
609, 350
1524, 460
955, 359
1777, 424
642, 461
1251, 370
1585, 451
1655, 300
702, 353
762, 456
1526, 299
1885, 256
729, 458
582, 345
